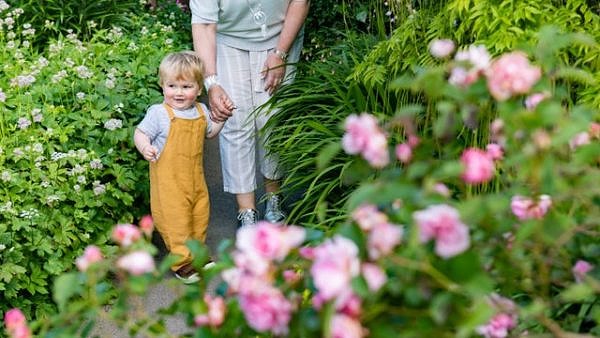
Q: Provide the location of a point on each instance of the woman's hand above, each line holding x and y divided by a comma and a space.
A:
273, 72
221, 106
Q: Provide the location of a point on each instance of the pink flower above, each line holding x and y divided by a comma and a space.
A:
16, 324
525, 208
403, 152
14, 318
358, 131
476, 57
471, 62
510, 75
374, 275
533, 100
494, 151
498, 326
579, 140
478, 166
147, 225
269, 241
291, 276
594, 130
376, 152
413, 141
92, 254
442, 223
580, 270
349, 304
504, 320
126, 234
336, 263
136, 263
265, 308
216, 312
383, 239
541, 139
367, 216
441, 189
441, 48
364, 136
343, 326
459, 76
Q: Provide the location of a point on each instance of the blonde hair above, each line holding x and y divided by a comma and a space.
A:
181, 65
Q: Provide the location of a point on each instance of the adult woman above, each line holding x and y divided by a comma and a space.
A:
246, 47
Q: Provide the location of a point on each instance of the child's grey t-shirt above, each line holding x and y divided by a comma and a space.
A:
156, 123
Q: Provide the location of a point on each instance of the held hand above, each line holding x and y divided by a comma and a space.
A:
221, 106
150, 153
273, 72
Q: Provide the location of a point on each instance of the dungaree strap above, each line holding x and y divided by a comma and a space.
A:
169, 111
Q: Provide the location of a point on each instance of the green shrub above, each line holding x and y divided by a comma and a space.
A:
69, 169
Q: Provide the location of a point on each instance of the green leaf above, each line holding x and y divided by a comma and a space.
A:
578, 292
65, 286
327, 154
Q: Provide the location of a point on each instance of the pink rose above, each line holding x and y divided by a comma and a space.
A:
291, 276
442, 223
403, 152
367, 216
478, 166
525, 208
136, 263
364, 136
504, 320
125, 234
476, 57
16, 324
441, 48
14, 318
216, 312
594, 130
374, 275
147, 225
265, 308
510, 75
92, 254
376, 151
579, 140
343, 326
336, 263
441, 189
580, 270
494, 151
383, 239
533, 100
269, 241
498, 326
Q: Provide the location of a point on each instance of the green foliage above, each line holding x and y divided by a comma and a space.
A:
69, 169
312, 111
52, 18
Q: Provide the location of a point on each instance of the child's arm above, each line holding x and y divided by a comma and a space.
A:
215, 129
143, 145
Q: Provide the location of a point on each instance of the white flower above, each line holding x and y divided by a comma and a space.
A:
113, 124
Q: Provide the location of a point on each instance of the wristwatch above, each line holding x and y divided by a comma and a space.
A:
210, 81
281, 54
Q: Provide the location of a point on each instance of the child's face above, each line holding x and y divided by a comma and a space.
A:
180, 94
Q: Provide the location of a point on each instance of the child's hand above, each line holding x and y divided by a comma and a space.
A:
150, 153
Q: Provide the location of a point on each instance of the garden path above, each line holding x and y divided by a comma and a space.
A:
223, 224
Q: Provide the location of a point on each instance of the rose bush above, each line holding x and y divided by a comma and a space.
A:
449, 241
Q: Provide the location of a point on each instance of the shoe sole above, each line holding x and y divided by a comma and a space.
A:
194, 278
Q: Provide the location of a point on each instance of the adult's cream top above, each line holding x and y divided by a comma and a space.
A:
235, 19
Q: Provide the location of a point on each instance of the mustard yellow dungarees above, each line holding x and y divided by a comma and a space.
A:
178, 193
